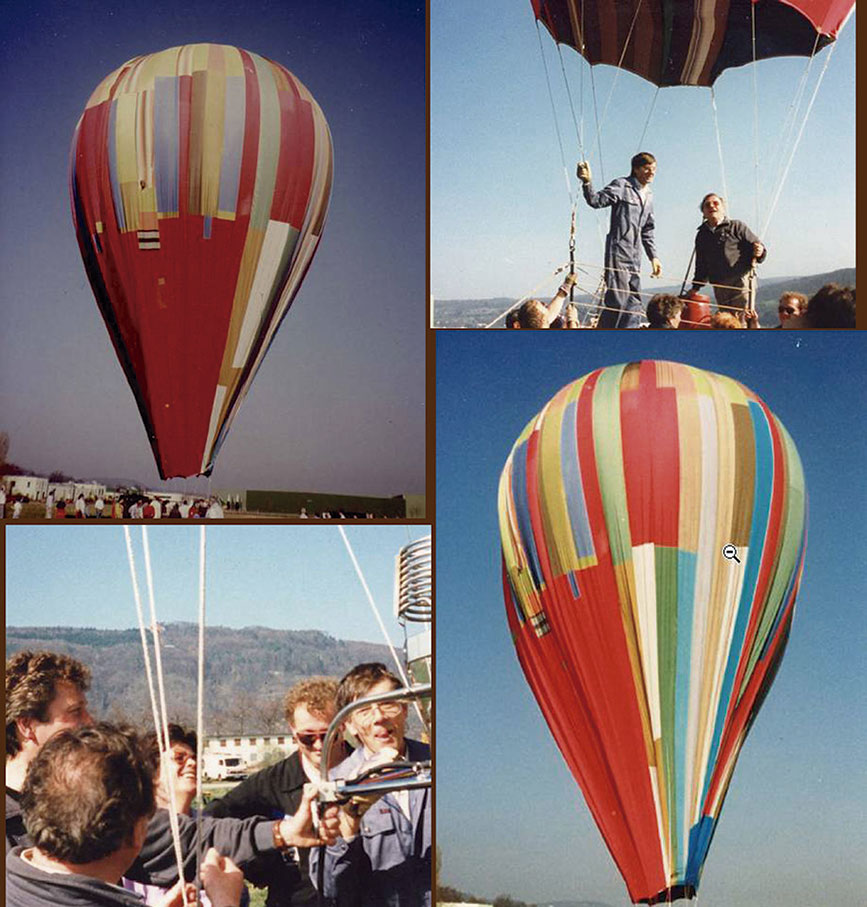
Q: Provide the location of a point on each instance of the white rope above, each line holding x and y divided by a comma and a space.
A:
173, 819
719, 145
790, 120
779, 190
165, 746
755, 111
200, 712
554, 113
372, 603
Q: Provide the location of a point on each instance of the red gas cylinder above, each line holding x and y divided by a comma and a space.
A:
696, 311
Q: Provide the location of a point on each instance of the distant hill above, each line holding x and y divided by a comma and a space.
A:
247, 671
476, 313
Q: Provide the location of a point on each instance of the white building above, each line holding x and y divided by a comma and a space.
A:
252, 749
35, 487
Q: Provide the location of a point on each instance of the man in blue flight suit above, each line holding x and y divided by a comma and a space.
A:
631, 201
383, 857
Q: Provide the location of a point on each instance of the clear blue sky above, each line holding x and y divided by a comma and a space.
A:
284, 577
510, 818
339, 402
499, 205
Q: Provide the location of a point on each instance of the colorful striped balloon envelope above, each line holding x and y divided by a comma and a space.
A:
652, 520
200, 178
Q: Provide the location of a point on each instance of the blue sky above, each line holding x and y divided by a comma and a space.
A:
284, 577
510, 818
500, 209
339, 402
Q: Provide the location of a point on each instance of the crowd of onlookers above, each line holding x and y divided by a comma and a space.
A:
832, 306
88, 804
124, 506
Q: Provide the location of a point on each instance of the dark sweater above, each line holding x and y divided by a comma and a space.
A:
274, 792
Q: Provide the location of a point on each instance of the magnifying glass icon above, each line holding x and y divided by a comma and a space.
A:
730, 553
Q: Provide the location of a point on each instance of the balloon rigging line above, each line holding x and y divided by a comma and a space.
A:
722, 165
200, 712
785, 175
792, 115
554, 112
647, 121
173, 819
578, 129
376, 613
754, 68
165, 745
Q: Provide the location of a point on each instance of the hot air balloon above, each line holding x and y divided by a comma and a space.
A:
690, 42
652, 520
200, 178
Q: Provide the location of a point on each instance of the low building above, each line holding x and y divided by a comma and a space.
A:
33, 487
251, 749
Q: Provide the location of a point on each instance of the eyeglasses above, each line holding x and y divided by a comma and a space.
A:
310, 739
386, 709
786, 310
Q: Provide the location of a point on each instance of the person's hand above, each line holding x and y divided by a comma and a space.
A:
583, 171
298, 831
571, 315
758, 250
752, 318
656, 264
570, 279
180, 894
222, 879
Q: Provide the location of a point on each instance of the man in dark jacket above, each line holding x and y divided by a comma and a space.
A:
45, 694
276, 791
87, 803
725, 251
632, 227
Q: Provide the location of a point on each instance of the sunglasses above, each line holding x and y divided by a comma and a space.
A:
310, 739
786, 310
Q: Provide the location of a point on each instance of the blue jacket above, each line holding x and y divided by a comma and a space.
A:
388, 864
631, 219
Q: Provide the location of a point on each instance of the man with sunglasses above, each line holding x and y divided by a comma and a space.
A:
277, 791
383, 857
726, 252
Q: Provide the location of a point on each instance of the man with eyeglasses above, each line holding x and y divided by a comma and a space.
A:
726, 252
277, 790
383, 856
791, 309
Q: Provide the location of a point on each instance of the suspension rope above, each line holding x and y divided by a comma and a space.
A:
376, 613
579, 134
554, 113
755, 112
719, 145
647, 121
167, 779
797, 142
200, 712
788, 127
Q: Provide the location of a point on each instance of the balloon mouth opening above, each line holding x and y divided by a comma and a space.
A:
667, 895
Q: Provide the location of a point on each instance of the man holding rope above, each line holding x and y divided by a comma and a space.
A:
45, 695
726, 252
632, 226
88, 798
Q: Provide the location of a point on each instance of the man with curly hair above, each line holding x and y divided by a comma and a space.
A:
276, 791
45, 694
45, 697
87, 800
